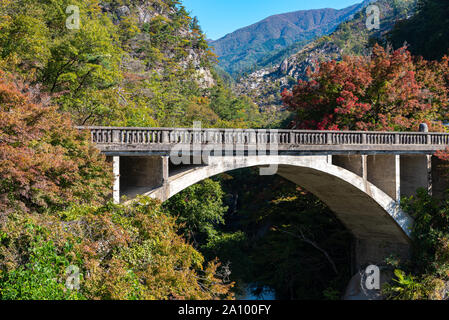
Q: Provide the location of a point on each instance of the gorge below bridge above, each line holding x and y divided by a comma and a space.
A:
361, 176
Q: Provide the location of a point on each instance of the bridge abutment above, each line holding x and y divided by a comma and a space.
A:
372, 252
135, 175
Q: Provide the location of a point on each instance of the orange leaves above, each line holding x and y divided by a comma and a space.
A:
44, 162
136, 252
443, 154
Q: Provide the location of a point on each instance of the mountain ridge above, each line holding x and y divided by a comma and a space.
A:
350, 38
239, 50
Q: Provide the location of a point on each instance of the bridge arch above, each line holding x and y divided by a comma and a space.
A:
367, 211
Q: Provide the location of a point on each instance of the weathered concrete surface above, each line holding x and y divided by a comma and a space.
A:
354, 163
367, 211
384, 172
415, 173
373, 251
440, 178
130, 141
139, 174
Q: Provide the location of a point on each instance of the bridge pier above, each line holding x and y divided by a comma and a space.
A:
354, 163
116, 186
397, 175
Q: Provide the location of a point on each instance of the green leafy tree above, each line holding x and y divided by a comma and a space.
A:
427, 275
122, 252
267, 236
78, 67
200, 208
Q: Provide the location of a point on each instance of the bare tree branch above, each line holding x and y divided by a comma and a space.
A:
303, 238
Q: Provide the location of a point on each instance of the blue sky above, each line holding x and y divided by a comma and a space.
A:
220, 17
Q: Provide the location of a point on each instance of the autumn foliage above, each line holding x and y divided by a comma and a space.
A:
387, 91
120, 252
44, 162
53, 190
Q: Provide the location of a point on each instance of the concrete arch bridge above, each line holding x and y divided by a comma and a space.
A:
361, 176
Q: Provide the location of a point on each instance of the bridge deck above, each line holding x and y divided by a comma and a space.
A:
133, 141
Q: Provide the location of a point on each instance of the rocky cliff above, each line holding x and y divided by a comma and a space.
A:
168, 37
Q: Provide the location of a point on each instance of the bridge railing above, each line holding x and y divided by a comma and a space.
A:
136, 136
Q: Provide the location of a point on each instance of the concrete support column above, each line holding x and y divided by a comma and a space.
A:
116, 187
397, 181
365, 167
414, 174
384, 171
165, 169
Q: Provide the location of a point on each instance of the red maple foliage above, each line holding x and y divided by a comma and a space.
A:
44, 162
386, 91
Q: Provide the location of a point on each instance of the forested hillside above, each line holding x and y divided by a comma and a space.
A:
350, 38
240, 50
133, 63
427, 32
147, 63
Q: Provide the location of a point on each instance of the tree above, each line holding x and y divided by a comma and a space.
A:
427, 275
45, 164
120, 252
386, 91
262, 239
200, 208
78, 67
